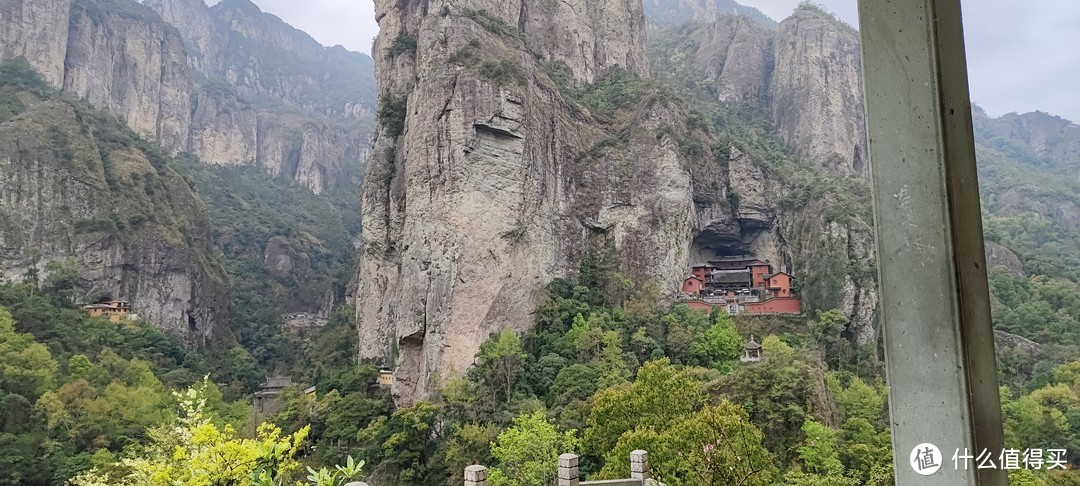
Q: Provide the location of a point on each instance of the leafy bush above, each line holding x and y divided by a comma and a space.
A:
19, 74
560, 73
618, 90
466, 54
95, 225
391, 114
403, 43
503, 72
493, 24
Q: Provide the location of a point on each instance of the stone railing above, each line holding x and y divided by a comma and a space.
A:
476, 475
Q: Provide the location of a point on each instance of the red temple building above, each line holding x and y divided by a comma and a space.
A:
741, 284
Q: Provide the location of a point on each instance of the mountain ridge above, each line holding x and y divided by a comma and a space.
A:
133, 60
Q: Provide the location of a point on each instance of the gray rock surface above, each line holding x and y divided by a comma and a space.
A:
204, 79
1000, 257
494, 185
30, 29
136, 230
816, 91
806, 74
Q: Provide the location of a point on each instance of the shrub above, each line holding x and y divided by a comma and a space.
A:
503, 71
19, 73
493, 24
465, 54
391, 114
404, 42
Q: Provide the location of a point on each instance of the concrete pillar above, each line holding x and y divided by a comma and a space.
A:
568, 470
639, 465
939, 348
476, 475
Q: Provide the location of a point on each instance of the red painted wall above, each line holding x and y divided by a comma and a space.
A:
759, 272
699, 305
778, 305
782, 283
691, 286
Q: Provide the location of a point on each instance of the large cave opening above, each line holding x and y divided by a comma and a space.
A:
711, 245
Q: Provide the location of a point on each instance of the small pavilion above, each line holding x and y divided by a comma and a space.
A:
751, 351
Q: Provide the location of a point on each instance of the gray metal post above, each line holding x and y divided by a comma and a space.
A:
939, 347
568, 470
639, 465
476, 475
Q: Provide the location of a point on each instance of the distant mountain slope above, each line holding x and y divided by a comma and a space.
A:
667, 12
75, 183
804, 78
231, 84
1030, 190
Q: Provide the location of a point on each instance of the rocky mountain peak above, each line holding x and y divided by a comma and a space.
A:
1036, 137
483, 187
668, 12
231, 84
589, 37
806, 74
815, 92
515, 139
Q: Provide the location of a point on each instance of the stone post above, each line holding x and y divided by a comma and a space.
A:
568, 470
476, 475
639, 465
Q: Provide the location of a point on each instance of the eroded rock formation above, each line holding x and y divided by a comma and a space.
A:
815, 91
487, 181
806, 75
71, 190
207, 80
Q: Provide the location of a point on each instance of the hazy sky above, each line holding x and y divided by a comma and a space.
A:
1022, 56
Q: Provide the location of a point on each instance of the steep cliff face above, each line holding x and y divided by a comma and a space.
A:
735, 53
800, 86
205, 80
204, 36
38, 32
487, 181
76, 184
815, 93
267, 59
273, 96
834, 259
805, 75
128, 62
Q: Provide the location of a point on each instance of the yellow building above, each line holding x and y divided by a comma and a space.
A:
113, 310
386, 377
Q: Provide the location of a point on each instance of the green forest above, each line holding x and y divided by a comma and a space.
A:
603, 372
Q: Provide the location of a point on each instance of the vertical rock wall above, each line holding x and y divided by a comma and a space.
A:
816, 91
36, 30
135, 227
201, 80
485, 183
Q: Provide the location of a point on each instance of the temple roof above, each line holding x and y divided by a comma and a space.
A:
731, 277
